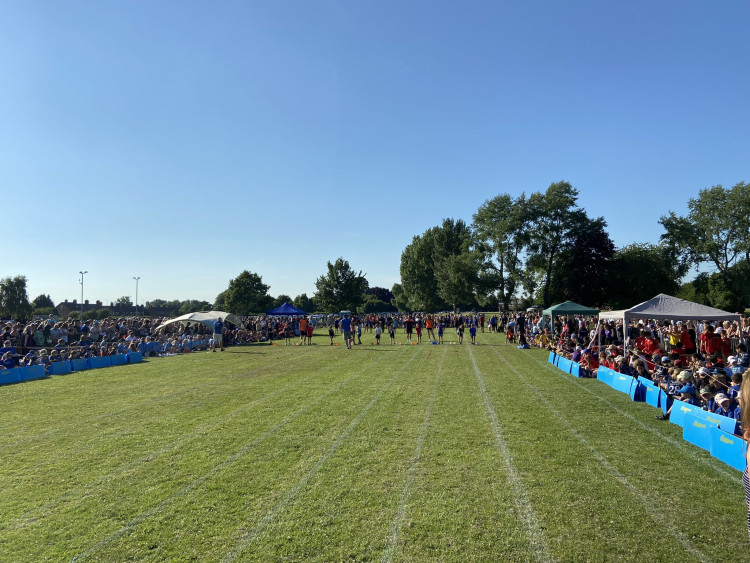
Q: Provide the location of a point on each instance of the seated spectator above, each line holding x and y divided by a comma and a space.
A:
734, 391
733, 366
7, 361
60, 344
707, 399
54, 356
588, 364
7, 347
687, 395
641, 370
84, 342
727, 407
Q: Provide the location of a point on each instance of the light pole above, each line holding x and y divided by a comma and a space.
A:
81, 282
136, 278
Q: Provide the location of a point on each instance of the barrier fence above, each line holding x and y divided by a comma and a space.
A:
28, 373
711, 432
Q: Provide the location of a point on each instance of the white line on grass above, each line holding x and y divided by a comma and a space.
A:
687, 449
641, 497
398, 520
80, 492
112, 414
533, 530
211, 472
252, 534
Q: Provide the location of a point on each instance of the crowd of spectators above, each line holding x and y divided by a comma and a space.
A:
698, 362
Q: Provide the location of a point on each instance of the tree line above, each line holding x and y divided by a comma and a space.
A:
517, 251
544, 248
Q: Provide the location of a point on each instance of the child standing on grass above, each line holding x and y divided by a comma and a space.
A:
392, 333
441, 329
310, 329
419, 332
378, 331
473, 333
330, 333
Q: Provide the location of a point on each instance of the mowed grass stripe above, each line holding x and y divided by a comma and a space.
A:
597, 390
462, 506
182, 439
694, 497
248, 537
215, 470
398, 519
78, 439
73, 465
91, 390
534, 533
345, 510
655, 513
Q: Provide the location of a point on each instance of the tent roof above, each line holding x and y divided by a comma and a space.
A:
204, 318
568, 308
666, 307
286, 310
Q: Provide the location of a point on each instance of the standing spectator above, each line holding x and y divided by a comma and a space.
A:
346, 328
218, 334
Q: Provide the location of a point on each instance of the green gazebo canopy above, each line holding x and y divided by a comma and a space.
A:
568, 308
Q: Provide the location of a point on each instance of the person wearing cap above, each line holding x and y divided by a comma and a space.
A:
706, 396
589, 363
727, 407
733, 366
687, 395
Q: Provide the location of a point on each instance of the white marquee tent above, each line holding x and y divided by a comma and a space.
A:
666, 307
208, 318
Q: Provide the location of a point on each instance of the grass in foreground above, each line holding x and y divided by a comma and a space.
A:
396, 453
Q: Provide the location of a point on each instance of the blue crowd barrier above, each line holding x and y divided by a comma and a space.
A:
697, 431
605, 375
664, 402
59, 368
564, 364
623, 383
9, 376
551, 358
79, 364
575, 369
679, 410
97, 363
728, 448
135, 357
29, 373
649, 392
119, 359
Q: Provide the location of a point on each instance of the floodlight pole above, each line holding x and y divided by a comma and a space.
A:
136, 278
81, 282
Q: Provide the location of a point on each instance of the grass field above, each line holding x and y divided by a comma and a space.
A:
319, 453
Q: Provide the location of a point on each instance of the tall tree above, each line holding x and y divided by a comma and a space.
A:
430, 272
14, 301
41, 301
716, 228
582, 270
555, 216
246, 294
340, 288
640, 271
304, 302
192, 305
501, 233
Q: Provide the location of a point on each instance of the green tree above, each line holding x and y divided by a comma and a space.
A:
716, 228
641, 271
371, 304
124, 301
501, 236
555, 216
399, 298
42, 301
340, 288
582, 269
192, 305
245, 295
304, 302
431, 273
14, 301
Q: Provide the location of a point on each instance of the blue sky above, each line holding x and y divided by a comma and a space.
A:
184, 142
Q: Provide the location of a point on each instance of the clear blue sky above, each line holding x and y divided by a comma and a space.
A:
184, 142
